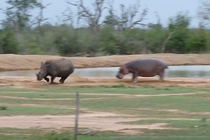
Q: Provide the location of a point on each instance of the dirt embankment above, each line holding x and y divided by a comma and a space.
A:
32, 62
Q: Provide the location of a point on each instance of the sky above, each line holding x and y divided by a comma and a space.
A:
164, 8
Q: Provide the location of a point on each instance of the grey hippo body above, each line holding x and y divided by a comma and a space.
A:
55, 68
148, 67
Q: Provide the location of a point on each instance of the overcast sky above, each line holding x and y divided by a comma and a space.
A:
165, 8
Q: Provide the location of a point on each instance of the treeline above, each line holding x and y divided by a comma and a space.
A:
115, 35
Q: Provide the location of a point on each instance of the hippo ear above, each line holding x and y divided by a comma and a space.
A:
123, 67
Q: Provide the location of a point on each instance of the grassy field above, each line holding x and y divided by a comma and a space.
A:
174, 105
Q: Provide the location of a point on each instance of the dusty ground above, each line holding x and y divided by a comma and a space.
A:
30, 62
101, 122
31, 82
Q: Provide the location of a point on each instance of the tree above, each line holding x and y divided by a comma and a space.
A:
128, 15
111, 20
39, 20
179, 27
18, 14
204, 12
91, 18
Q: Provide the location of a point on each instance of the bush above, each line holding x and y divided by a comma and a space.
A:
129, 42
197, 41
8, 42
3, 107
31, 48
67, 42
107, 41
154, 38
178, 42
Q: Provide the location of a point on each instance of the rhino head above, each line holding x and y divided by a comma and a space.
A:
42, 72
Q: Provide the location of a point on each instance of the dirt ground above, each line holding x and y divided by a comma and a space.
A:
31, 62
31, 82
102, 120
96, 121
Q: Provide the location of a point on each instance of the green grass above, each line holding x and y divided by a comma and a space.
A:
125, 90
177, 123
185, 103
147, 107
110, 89
3, 89
20, 110
49, 95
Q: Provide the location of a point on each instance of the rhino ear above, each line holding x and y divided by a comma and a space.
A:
47, 65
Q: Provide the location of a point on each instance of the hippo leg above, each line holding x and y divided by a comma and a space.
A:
62, 79
52, 79
135, 77
161, 75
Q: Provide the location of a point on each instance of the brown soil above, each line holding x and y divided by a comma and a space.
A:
31, 82
97, 121
30, 62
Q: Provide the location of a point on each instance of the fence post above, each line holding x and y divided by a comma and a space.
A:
77, 116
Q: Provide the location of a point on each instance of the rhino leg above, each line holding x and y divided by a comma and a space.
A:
52, 79
62, 79
47, 79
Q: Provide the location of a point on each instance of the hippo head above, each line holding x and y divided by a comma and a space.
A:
42, 72
123, 70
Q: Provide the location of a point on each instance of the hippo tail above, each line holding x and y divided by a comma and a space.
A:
167, 67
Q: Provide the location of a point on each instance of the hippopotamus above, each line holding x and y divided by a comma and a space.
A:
55, 68
147, 67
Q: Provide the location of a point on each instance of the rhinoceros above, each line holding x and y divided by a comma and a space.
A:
55, 68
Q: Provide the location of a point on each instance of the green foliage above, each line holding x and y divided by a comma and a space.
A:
8, 42
129, 42
111, 21
178, 25
19, 12
155, 37
197, 41
3, 107
107, 41
31, 48
67, 41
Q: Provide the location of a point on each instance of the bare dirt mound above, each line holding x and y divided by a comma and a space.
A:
31, 82
32, 62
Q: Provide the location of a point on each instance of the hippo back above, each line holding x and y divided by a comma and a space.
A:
60, 68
